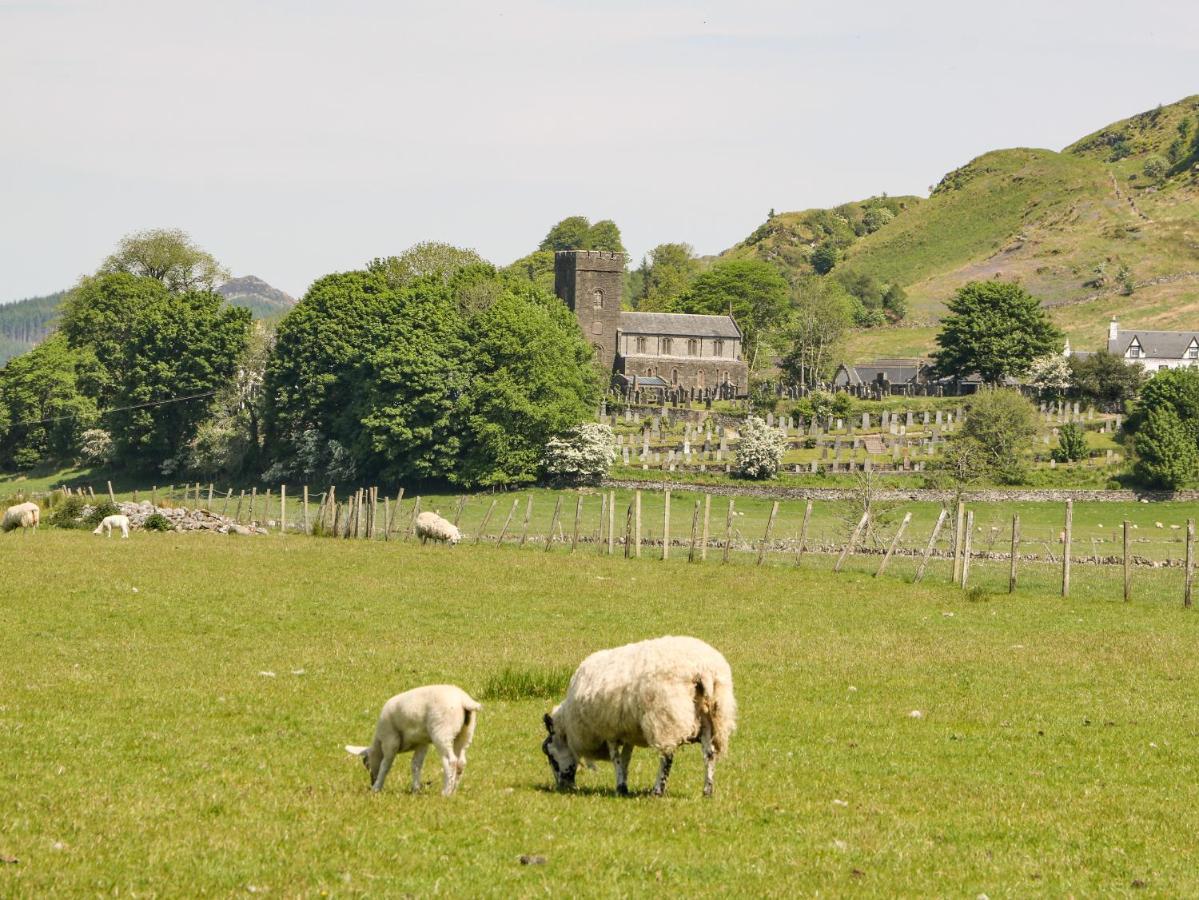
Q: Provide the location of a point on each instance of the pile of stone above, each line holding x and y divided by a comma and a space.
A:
184, 519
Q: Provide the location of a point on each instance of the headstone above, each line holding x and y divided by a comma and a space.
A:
865, 421
908, 419
924, 418
938, 417
839, 425
813, 467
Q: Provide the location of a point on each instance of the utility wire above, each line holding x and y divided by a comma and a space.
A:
117, 409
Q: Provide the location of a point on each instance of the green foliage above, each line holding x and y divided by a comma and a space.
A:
428, 259
101, 511
1155, 168
821, 314
44, 409
753, 292
536, 269
667, 273
760, 451
1105, 378
1167, 455
1173, 389
582, 455
167, 255
68, 513
996, 329
26, 323
577, 233
157, 522
1072, 443
1002, 423
526, 683
824, 258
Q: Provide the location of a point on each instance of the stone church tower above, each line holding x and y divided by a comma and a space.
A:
590, 283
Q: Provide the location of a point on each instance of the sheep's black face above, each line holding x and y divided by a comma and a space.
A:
563, 762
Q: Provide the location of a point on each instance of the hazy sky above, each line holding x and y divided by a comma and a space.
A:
296, 138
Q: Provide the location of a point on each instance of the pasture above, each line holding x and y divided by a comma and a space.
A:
173, 710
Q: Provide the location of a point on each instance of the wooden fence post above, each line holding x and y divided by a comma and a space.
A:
228, 495
1189, 580
336, 518
304, 511
553, 523
882, 567
966, 547
1127, 563
694, 533
486, 519
637, 522
1066, 548
611, 522
282, 508
210, 487
853, 539
458, 510
666, 525
932, 540
574, 537
803, 532
508, 521
112, 498
628, 530
240, 498
603, 518
703, 546
728, 531
524, 534
1011, 577
959, 523
411, 529
774, 510
154, 495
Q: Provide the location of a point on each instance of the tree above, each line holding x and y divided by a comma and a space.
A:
1106, 378
761, 450
423, 260
1155, 168
752, 291
43, 409
1071, 443
1167, 455
667, 273
1050, 374
820, 318
604, 235
876, 217
167, 255
569, 234
994, 328
824, 258
1174, 389
1002, 423
582, 455
536, 269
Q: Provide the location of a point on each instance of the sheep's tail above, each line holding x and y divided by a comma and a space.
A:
470, 719
720, 707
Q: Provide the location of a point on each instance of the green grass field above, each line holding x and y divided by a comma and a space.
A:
144, 750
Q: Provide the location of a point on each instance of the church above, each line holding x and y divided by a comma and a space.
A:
674, 351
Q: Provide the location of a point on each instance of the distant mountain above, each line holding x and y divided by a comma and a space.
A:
254, 294
25, 323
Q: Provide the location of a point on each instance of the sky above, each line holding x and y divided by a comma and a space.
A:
293, 139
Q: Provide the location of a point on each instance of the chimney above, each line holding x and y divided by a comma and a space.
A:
1113, 329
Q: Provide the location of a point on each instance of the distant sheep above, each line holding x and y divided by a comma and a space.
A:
431, 525
440, 714
23, 515
111, 522
660, 693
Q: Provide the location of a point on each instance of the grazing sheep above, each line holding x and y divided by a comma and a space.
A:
23, 515
431, 525
439, 714
111, 522
660, 693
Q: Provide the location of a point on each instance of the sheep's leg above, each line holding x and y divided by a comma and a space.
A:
620, 755
449, 770
459, 766
418, 760
663, 774
389, 755
705, 739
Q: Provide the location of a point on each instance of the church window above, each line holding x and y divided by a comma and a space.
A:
718, 348
674, 376
692, 347
666, 345
640, 345
597, 299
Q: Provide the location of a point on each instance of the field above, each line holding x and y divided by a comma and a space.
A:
147, 751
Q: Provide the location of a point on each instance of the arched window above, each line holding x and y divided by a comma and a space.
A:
674, 376
640, 345
692, 347
718, 348
597, 299
599, 351
649, 372
666, 344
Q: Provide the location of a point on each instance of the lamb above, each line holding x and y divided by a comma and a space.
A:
659, 693
23, 515
431, 525
111, 522
439, 714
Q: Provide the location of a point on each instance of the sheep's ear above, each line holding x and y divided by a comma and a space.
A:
549, 723
357, 751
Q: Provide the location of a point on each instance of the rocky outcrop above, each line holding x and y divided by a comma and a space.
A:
183, 519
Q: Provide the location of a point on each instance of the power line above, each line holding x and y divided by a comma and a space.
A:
117, 409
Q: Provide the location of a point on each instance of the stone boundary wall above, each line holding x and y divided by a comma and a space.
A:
995, 495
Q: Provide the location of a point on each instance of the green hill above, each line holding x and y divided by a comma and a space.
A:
25, 323
1064, 224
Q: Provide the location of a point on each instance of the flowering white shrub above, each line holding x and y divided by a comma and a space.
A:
1051, 373
760, 451
582, 455
95, 446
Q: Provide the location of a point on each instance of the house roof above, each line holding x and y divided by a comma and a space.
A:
896, 371
648, 381
1160, 344
679, 325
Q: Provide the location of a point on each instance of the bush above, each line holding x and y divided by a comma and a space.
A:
1168, 457
157, 522
761, 450
1072, 443
95, 447
68, 513
102, 511
1002, 424
583, 455
1155, 168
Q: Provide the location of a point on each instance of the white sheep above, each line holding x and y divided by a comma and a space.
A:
110, 522
431, 525
23, 515
439, 714
660, 693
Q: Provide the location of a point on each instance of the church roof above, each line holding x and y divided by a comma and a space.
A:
679, 325
1159, 344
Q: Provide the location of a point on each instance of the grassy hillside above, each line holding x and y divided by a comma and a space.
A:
25, 323
1063, 224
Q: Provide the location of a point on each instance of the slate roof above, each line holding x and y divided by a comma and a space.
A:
897, 371
1160, 344
679, 325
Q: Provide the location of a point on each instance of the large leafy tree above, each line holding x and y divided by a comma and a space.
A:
751, 291
577, 233
1165, 426
43, 410
168, 255
1106, 378
1001, 423
821, 315
426, 259
666, 274
994, 328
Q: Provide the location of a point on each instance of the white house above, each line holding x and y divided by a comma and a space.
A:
1154, 349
